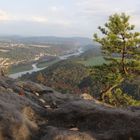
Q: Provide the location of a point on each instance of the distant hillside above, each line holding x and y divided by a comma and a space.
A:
49, 40
26, 50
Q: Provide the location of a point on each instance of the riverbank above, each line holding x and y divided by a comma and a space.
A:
40, 66
19, 74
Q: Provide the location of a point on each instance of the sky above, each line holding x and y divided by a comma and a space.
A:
65, 18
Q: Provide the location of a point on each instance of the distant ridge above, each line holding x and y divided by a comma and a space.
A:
48, 39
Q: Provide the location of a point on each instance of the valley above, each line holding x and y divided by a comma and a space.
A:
21, 53
69, 70
56, 62
40, 65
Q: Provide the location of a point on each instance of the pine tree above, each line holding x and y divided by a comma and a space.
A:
119, 39
121, 47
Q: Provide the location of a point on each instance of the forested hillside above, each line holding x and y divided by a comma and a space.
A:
63, 76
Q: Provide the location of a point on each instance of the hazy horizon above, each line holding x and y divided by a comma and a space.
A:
61, 18
30, 36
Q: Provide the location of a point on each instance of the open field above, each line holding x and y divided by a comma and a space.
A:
46, 63
16, 69
93, 61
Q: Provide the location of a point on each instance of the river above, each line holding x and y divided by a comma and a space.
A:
35, 68
76, 53
19, 74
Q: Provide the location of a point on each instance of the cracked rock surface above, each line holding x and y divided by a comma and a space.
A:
41, 113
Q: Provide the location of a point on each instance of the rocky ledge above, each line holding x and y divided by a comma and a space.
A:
30, 111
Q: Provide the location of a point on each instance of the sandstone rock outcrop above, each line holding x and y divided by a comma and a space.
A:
44, 114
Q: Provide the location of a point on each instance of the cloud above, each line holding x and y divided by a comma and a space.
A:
54, 16
78, 17
135, 20
105, 7
39, 19
99, 10
54, 9
7, 17
4, 16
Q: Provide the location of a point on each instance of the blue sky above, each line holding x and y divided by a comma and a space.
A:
61, 17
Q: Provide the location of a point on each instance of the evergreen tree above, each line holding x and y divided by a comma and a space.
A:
120, 40
121, 46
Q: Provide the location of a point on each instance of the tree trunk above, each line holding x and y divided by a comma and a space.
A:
123, 62
124, 70
109, 90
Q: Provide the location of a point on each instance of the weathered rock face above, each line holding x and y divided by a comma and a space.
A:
14, 123
53, 133
103, 122
19, 117
41, 113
